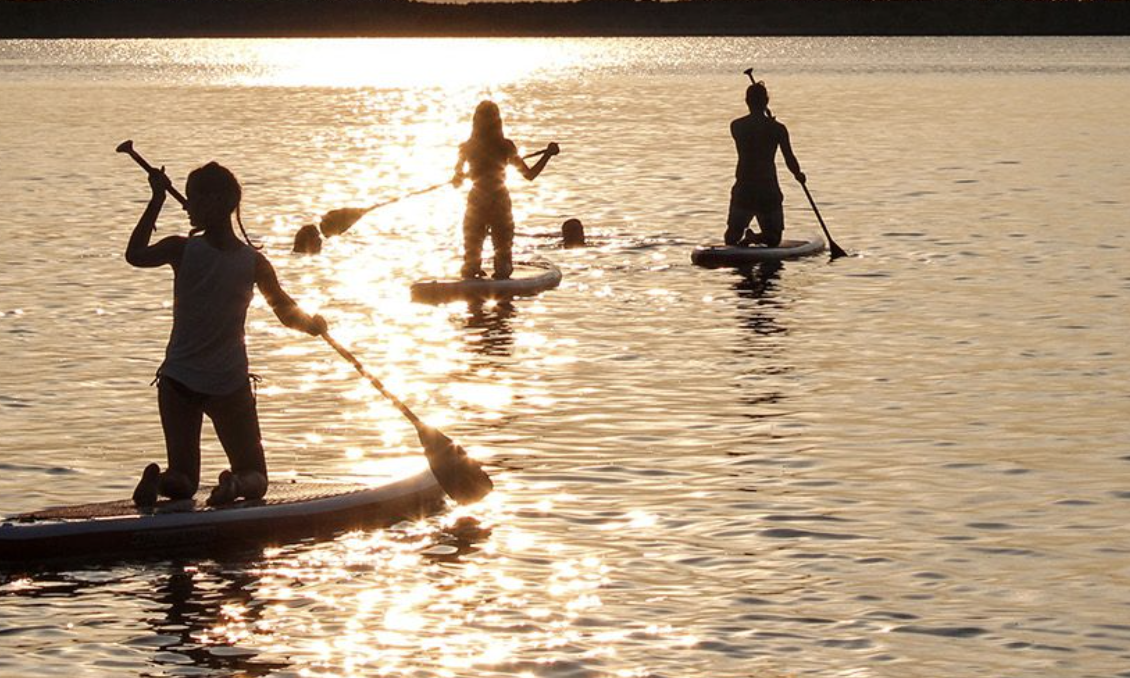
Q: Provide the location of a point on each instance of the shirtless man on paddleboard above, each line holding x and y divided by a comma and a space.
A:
756, 193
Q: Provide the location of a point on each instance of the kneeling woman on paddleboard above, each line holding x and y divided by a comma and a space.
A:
484, 158
205, 369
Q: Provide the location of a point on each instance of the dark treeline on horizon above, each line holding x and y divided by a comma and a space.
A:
312, 18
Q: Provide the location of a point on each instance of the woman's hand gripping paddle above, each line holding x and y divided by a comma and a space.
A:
127, 148
459, 475
336, 222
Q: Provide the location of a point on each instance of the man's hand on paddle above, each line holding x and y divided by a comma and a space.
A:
552, 149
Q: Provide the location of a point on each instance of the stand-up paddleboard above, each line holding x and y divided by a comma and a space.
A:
529, 278
715, 257
290, 511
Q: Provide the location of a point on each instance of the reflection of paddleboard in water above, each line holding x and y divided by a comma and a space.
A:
290, 511
715, 257
529, 279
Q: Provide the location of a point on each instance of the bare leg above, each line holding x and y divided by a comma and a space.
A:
182, 414
474, 232
237, 425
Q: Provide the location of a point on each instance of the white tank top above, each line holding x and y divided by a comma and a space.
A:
211, 293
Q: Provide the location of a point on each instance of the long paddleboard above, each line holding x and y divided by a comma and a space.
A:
290, 511
529, 279
716, 257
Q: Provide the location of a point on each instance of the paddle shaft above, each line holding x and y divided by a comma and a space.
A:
345, 353
429, 189
149, 168
836, 250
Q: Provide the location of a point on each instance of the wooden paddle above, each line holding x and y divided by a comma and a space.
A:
459, 475
835, 249
336, 222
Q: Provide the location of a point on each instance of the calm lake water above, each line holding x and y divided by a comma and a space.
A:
913, 462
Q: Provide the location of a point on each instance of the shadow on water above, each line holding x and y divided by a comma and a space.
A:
197, 611
197, 607
760, 352
490, 332
758, 285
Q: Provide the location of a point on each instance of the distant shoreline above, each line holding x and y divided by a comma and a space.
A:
583, 18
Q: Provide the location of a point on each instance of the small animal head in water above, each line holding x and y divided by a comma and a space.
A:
308, 240
487, 121
757, 97
212, 193
573, 233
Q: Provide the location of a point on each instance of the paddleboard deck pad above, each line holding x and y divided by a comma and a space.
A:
529, 279
290, 511
716, 257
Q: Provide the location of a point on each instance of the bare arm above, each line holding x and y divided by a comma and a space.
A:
532, 173
459, 175
167, 250
285, 308
790, 158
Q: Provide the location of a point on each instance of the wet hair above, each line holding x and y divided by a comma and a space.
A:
222, 188
486, 125
308, 240
757, 98
573, 233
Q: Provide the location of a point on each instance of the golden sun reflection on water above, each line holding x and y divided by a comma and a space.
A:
434, 591
379, 603
404, 62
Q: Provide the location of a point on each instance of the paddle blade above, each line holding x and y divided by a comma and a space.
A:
459, 475
336, 222
836, 250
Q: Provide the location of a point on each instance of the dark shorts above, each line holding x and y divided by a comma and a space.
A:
771, 225
233, 416
745, 207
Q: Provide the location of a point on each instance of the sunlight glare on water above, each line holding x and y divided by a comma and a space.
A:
908, 463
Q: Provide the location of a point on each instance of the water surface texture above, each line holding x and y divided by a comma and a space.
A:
913, 462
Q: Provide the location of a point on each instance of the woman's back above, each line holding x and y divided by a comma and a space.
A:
487, 160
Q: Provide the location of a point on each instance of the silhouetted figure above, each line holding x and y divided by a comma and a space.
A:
485, 157
307, 240
756, 193
572, 234
205, 370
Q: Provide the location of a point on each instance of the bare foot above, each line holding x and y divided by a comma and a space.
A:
145, 494
226, 490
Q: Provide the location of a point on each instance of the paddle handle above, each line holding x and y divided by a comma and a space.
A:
345, 353
127, 148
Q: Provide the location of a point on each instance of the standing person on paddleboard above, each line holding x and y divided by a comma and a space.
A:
484, 158
205, 369
756, 192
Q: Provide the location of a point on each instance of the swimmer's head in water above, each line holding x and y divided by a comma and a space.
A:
487, 122
213, 193
573, 233
757, 97
308, 240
